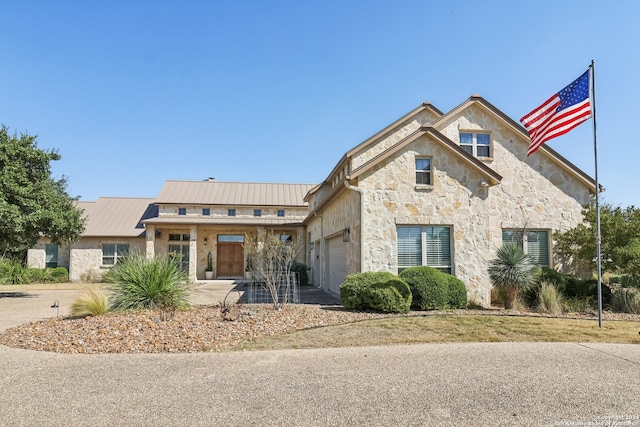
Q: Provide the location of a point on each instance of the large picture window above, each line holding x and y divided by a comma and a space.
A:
424, 245
533, 242
113, 252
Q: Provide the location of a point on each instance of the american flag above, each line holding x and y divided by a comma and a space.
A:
560, 113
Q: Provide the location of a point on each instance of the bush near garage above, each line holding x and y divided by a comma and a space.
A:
375, 291
391, 296
430, 287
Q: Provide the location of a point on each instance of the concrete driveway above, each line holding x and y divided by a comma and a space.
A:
510, 384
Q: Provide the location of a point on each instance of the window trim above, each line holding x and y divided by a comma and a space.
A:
115, 256
474, 142
428, 173
523, 242
424, 243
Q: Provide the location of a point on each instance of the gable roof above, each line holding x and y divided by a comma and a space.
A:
117, 216
492, 176
519, 129
211, 192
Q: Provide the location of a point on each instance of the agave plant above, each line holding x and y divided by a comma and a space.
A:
512, 271
141, 283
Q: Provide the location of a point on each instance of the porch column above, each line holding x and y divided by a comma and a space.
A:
150, 237
193, 253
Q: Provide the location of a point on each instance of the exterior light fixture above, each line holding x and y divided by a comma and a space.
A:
205, 241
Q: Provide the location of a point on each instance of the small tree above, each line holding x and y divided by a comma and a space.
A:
512, 271
269, 259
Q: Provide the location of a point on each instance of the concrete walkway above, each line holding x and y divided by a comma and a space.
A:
495, 384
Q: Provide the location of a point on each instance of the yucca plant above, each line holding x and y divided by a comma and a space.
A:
512, 270
93, 303
141, 283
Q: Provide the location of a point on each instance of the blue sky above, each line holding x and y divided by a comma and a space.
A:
133, 93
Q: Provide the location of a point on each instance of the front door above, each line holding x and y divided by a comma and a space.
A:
230, 260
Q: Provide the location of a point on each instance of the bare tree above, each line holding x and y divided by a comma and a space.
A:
269, 259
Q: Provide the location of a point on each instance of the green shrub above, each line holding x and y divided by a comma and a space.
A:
93, 303
457, 292
12, 273
549, 299
391, 296
38, 275
59, 275
139, 283
429, 287
569, 286
578, 304
303, 273
351, 290
626, 301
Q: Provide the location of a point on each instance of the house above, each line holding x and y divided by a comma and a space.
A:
432, 188
443, 190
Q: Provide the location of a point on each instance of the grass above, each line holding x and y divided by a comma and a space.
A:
93, 303
448, 329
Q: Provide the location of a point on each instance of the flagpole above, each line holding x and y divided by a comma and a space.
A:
595, 152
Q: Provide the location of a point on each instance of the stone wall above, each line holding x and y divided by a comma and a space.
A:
85, 262
534, 193
343, 212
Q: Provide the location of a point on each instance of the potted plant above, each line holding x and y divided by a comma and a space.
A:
208, 272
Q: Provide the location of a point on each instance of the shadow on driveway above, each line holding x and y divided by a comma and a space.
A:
17, 295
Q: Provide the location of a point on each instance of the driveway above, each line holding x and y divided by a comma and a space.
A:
510, 384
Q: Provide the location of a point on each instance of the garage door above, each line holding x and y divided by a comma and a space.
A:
337, 267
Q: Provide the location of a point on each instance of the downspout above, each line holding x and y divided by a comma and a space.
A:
359, 190
321, 248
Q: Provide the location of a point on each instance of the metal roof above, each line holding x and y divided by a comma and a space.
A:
117, 216
210, 192
182, 220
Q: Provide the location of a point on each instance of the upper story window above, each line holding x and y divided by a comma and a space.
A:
476, 144
280, 212
423, 171
182, 211
206, 211
257, 212
231, 212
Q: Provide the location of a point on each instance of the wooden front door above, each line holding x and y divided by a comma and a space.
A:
230, 260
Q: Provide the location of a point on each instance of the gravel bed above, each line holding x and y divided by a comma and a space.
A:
203, 328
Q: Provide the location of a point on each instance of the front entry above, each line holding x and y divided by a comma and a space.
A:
230, 260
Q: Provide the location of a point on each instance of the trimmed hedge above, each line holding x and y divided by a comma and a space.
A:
351, 290
381, 291
457, 292
430, 287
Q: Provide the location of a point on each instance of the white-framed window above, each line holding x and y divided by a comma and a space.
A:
113, 252
532, 242
476, 144
423, 171
424, 245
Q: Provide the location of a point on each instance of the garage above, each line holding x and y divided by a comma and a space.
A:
336, 251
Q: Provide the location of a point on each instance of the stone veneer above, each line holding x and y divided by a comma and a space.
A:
534, 193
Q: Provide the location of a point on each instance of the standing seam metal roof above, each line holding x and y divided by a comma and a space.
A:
233, 193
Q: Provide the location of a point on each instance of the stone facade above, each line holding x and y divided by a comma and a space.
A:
535, 193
